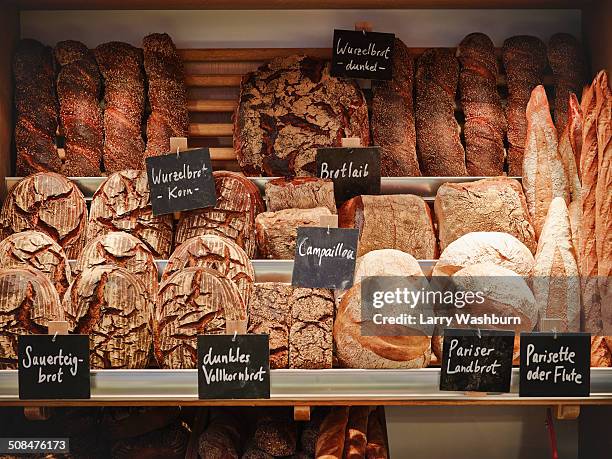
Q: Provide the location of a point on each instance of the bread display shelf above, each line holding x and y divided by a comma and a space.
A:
301, 387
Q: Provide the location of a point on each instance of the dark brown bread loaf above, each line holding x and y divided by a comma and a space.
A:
238, 203
407, 214
377, 444
120, 249
276, 433
192, 302
253, 452
438, 144
355, 439
38, 251
524, 59
27, 304
124, 103
133, 421
78, 90
50, 203
393, 117
122, 203
330, 444
166, 443
112, 306
290, 107
167, 93
567, 61
36, 109
485, 122
300, 193
222, 437
310, 431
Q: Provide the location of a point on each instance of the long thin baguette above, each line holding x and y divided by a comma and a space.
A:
330, 444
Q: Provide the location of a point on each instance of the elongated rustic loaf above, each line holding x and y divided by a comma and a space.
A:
524, 59
438, 144
238, 203
401, 221
78, 91
50, 203
377, 444
122, 203
543, 173
355, 440
113, 307
36, 110
277, 231
393, 117
166, 91
27, 304
600, 352
191, 302
38, 251
330, 444
299, 193
169, 442
485, 122
570, 144
492, 204
121, 66
290, 107
218, 253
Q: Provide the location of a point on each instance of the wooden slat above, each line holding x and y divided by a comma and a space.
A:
208, 81
249, 54
212, 105
222, 154
210, 129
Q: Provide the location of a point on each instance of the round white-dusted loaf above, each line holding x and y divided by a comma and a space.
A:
386, 262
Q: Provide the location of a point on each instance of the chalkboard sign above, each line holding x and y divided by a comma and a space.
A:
476, 360
53, 367
233, 366
181, 181
354, 171
325, 257
555, 365
361, 54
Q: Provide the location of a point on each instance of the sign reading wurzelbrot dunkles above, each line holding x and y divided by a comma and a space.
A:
361, 54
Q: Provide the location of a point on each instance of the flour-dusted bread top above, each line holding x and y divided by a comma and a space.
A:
386, 262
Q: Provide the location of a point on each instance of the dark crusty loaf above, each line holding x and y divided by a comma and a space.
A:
355, 439
38, 251
78, 90
28, 302
169, 442
567, 61
222, 437
393, 117
167, 93
407, 214
438, 144
50, 203
330, 444
377, 444
290, 107
238, 203
124, 103
524, 59
485, 121
276, 433
193, 301
122, 203
36, 109
299, 193
113, 307
133, 421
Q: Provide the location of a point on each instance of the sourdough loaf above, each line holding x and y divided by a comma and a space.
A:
355, 439
330, 444
300, 193
493, 204
401, 221
386, 262
290, 107
50, 203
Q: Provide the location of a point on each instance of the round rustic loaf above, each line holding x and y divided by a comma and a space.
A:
113, 307
386, 262
27, 303
50, 203
124, 250
218, 253
191, 302
502, 249
38, 251
122, 203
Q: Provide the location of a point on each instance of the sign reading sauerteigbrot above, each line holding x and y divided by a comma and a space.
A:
233, 366
555, 365
325, 257
476, 360
361, 54
53, 367
181, 181
354, 171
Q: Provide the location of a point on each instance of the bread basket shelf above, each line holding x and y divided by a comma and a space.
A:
301, 387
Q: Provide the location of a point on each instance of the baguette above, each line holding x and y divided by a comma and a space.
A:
377, 444
355, 439
330, 444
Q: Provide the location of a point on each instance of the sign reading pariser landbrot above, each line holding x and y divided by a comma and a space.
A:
361, 54
181, 181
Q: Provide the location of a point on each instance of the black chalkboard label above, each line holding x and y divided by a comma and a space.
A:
361, 54
555, 365
181, 181
53, 367
476, 360
231, 367
325, 257
354, 171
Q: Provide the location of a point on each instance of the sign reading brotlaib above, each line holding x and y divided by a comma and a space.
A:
361, 54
